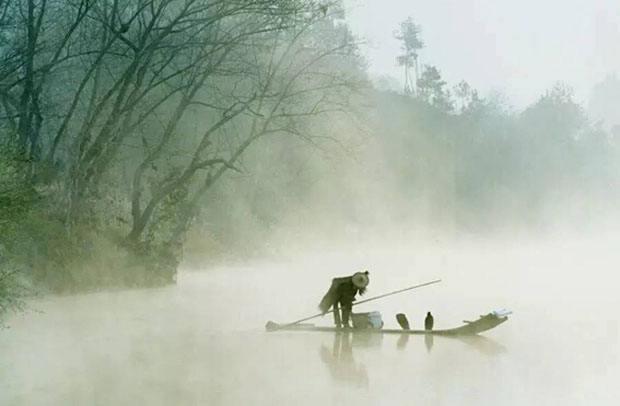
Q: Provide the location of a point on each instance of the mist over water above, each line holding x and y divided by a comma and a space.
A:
239, 154
203, 342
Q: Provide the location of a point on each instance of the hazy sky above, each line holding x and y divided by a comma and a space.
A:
519, 47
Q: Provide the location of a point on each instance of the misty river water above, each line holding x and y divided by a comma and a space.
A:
202, 341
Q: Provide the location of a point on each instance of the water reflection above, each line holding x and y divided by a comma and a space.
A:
340, 361
429, 341
343, 367
484, 345
344, 342
404, 339
402, 342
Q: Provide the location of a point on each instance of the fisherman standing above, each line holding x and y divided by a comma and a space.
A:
342, 292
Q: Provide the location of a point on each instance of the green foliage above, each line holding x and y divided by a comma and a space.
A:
16, 193
466, 98
12, 292
432, 89
17, 198
486, 168
409, 33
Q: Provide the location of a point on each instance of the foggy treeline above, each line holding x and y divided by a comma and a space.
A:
432, 159
131, 132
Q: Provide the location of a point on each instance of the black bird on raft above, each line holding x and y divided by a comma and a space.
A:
429, 321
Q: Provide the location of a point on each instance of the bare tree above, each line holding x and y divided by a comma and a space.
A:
153, 101
27, 64
281, 80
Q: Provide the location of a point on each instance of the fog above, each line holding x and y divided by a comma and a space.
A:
202, 341
174, 174
513, 47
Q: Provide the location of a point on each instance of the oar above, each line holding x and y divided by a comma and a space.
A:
272, 326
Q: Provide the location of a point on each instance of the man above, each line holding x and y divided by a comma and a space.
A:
342, 292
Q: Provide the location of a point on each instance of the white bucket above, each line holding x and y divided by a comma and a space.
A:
367, 320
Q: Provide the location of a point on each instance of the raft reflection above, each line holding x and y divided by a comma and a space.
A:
484, 345
343, 367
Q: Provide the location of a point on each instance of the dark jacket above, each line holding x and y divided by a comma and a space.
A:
341, 291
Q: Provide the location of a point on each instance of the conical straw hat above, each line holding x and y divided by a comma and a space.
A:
360, 279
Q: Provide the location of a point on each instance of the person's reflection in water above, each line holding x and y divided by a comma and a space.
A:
429, 340
340, 361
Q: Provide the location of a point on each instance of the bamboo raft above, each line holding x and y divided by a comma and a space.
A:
484, 323
470, 328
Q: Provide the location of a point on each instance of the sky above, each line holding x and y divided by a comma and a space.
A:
516, 47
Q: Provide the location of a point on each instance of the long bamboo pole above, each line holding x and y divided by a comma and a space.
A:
271, 326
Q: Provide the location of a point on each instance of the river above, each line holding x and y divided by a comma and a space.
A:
202, 341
